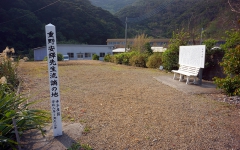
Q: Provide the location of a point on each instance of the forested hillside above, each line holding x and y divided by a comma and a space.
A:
112, 5
159, 18
22, 23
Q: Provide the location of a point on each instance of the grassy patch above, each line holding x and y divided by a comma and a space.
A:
86, 130
78, 146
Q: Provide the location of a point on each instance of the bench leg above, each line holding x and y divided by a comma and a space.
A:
187, 80
181, 77
174, 76
194, 81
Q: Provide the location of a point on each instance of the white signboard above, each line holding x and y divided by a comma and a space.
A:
53, 79
192, 55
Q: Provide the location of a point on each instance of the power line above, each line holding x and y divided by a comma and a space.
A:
30, 13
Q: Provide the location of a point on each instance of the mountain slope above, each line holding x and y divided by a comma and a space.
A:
112, 5
159, 18
76, 21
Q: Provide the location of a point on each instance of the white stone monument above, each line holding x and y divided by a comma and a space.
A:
193, 56
53, 79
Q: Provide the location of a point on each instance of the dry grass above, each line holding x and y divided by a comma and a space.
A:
126, 108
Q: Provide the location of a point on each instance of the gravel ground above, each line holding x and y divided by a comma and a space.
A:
125, 108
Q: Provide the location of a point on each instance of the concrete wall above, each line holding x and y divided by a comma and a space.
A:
76, 52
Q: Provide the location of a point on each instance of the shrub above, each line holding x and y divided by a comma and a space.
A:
148, 49
60, 57
127, 56
31, 54
78, 146
231, 65
171, 55
141, 44
95, 57
107, 58
154, 61
209, 62
170, 59
8, 70
139, 60
45, 58
118, 58
25, 58
230, 85
15, 107
123, 58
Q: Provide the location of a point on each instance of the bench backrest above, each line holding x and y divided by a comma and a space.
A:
189, 69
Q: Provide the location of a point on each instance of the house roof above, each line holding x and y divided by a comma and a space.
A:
119, 50
158, 49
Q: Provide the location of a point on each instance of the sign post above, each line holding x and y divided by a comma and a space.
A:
53, 79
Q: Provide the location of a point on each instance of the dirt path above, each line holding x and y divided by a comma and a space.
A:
126, 108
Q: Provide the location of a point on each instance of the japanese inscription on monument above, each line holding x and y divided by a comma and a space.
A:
192, 55
53, 79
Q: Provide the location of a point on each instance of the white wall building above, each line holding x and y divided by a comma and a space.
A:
76, 51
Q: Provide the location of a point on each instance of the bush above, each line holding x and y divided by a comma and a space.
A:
108, 58
118, 58
127, 56
231, 65
60, 57
124, 58
140, 43
78, 146
95, 57
15, 107
209, 62
154, 61
138, 60
148, 49
170, 59
8, 70
171, 55
230, 85
45, 58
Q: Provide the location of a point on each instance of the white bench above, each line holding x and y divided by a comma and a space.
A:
188, 71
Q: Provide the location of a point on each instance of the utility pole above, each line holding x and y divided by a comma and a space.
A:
126, 35
201, 69
201, 37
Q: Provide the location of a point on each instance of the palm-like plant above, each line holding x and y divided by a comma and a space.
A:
14, 107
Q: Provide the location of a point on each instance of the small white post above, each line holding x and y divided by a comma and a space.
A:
53, 79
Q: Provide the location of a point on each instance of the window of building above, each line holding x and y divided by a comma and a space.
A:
80, 55
102, 54
71, 55
87, 55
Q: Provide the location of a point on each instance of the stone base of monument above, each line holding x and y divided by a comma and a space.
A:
207, 87
33, 139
